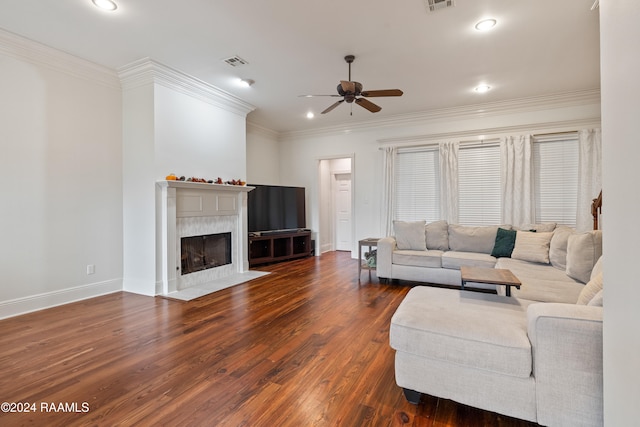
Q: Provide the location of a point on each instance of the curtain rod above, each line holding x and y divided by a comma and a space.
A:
567, 132
463, 144
487, 141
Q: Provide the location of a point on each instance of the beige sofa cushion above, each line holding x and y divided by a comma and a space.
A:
597, 300
454, 260
590, 290
540, 282
583, 251
473, 329
438, 235
558, 246
472, 239
410, 235
532, 246
418, 258
597, 268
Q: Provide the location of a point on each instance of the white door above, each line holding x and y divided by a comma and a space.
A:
342, 198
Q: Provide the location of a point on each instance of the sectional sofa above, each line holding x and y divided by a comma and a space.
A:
553, 263
537, 358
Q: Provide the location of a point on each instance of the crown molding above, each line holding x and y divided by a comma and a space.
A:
495, 132
465, 112
24, 49
261, 130
147, 71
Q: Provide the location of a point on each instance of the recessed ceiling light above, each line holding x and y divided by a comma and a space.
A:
310, 115
482, 88
245, 82
105, 4
486, 24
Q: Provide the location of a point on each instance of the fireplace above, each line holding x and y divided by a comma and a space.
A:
199, 253
202, 238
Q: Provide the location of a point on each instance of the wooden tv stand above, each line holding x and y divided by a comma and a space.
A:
276, 247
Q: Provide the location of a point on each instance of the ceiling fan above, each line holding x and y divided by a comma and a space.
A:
351, 91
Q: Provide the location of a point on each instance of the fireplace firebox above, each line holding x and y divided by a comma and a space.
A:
203, 252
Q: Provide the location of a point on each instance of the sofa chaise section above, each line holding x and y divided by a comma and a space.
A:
540, 362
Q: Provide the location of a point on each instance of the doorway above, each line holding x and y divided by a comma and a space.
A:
335, 203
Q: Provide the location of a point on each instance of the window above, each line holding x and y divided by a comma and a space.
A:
480, 200
555, 161
417, 184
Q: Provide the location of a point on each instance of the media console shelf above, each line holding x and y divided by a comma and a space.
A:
276, 247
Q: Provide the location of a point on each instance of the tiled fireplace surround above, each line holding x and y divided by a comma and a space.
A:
192, 209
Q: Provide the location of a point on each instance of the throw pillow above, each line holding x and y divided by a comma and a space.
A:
438, 235
583, 251
597, 268
410, 235
543, 228
472, 239
505, 242
533, 247
596, 301
558, 247
590, 290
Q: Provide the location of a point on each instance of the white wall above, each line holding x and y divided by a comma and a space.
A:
620, 67
263, 156
61, 163
195, 138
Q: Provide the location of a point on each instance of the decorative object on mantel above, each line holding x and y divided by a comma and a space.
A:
173, 177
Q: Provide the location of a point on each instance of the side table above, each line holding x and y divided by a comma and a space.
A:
369, 242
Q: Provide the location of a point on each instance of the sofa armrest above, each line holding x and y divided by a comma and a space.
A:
384, 257
566, 341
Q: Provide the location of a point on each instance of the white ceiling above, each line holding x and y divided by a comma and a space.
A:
297, 47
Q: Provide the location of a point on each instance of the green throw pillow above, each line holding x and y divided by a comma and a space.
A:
505, 242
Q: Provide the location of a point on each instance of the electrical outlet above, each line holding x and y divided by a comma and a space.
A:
91, 269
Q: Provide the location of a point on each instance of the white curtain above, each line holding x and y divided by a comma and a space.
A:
449, 181
589, 175
517, 180
388, 190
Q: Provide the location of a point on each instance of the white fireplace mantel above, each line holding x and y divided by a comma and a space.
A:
194, 201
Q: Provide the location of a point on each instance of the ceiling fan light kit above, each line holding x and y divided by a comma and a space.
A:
352, 91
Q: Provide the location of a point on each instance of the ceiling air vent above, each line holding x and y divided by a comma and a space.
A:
235, 61
433, 5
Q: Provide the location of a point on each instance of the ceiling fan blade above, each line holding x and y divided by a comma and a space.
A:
334, 105
368, 105
348, 86
384, 92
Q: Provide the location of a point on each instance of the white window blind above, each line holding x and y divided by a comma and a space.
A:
480, 199
556, 179
417, 185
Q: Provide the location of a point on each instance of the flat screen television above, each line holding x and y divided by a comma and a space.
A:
276, 208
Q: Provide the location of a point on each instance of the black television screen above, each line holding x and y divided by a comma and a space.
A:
276, 208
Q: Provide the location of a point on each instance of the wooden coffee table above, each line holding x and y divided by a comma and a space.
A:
493, 276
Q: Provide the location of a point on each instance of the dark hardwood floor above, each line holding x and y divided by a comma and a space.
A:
303, 346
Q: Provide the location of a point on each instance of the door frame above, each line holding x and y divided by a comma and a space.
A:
323, 184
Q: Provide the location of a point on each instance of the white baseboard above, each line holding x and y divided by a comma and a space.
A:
31, 303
